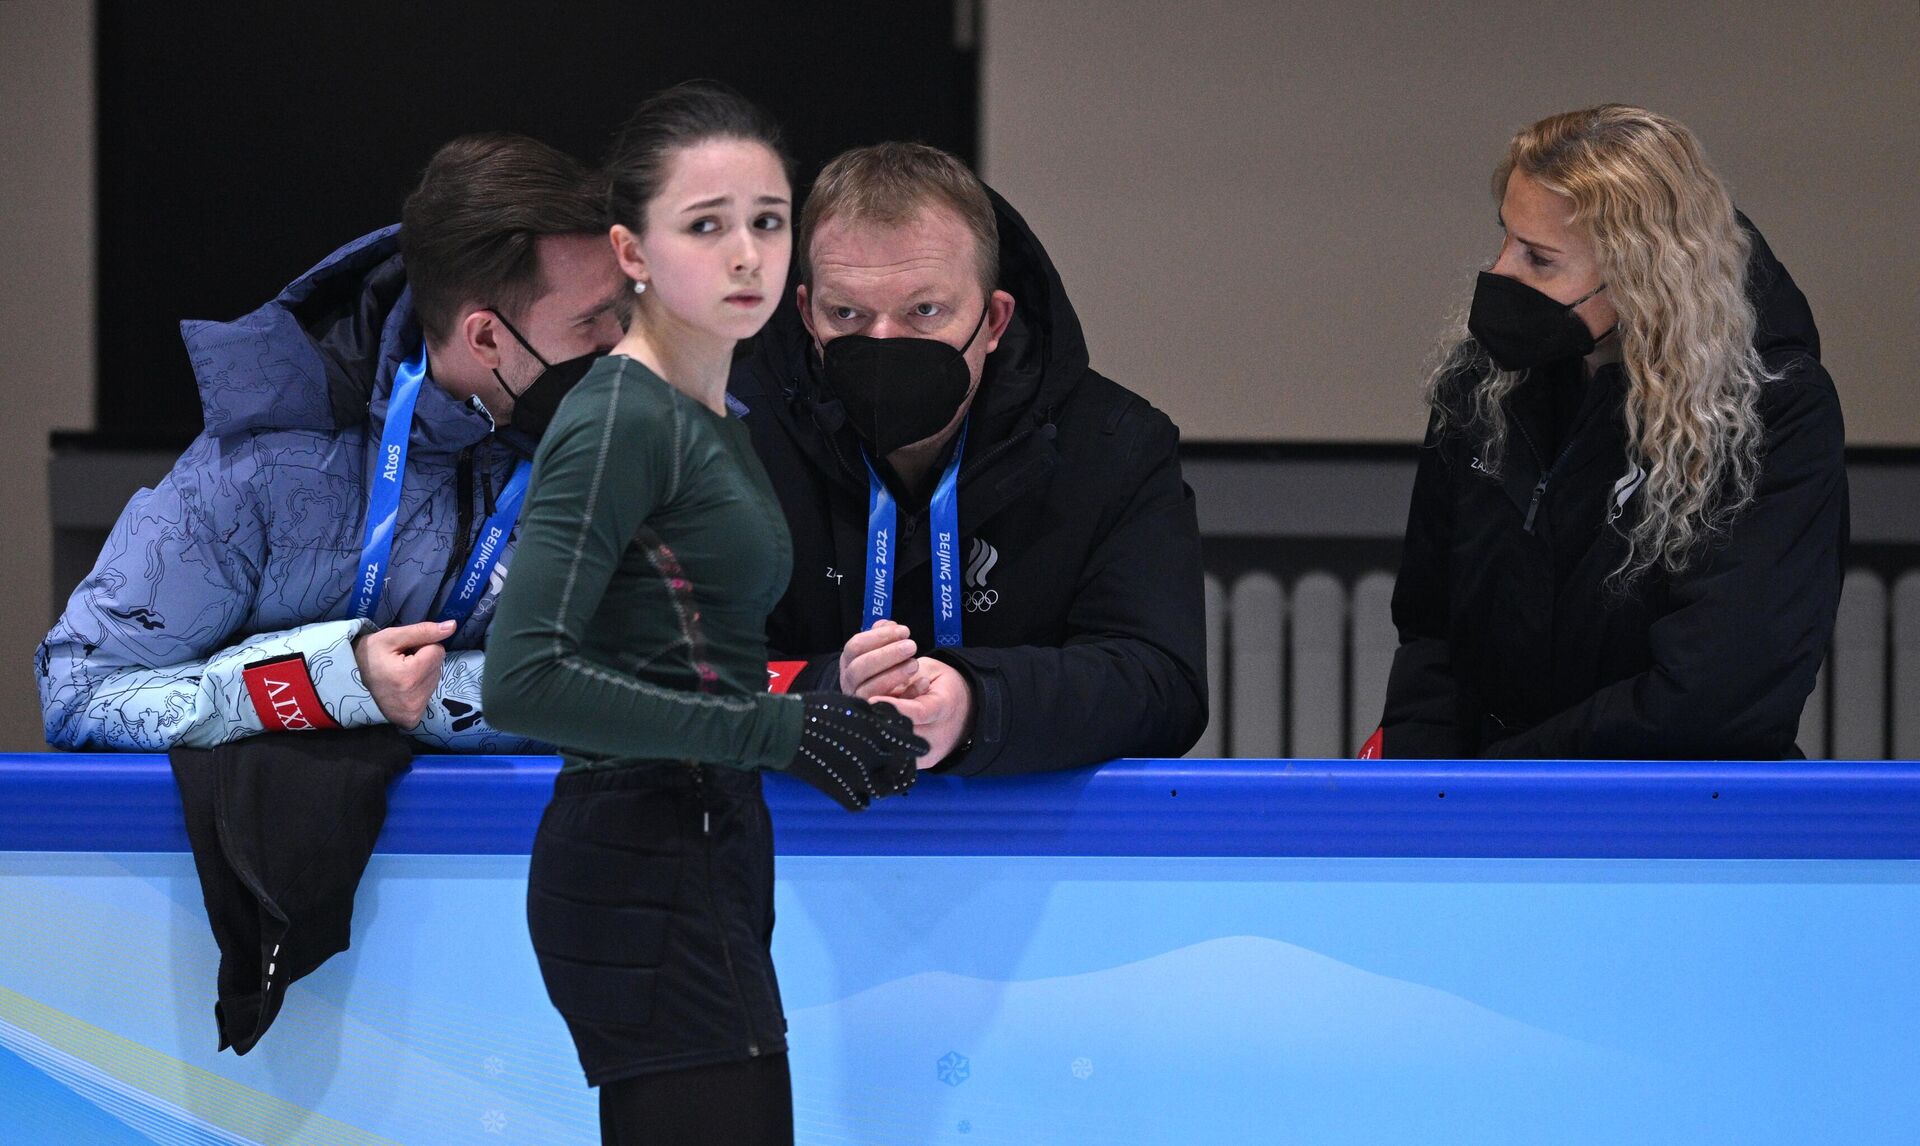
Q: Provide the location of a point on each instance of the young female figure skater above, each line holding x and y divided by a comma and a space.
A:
632, 635
1630, 514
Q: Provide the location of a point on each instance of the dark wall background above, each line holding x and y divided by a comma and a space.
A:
238, 145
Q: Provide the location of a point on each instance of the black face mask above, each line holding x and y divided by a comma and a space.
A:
534, 406
898, 391
1520, 328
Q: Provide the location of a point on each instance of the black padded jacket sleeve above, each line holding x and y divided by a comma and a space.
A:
1422, 716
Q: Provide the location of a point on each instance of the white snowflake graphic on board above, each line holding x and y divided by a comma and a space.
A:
494, 1065
1083, 1068
494, 1120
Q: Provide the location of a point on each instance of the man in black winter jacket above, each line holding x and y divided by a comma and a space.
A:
985, 530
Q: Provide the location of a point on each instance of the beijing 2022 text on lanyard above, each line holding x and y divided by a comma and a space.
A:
383, 508
943, 521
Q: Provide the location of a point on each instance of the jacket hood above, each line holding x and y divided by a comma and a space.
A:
1039, 361
1784, 320
321, 355
1044, 352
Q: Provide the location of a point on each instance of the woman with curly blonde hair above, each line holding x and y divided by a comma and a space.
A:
1631, 507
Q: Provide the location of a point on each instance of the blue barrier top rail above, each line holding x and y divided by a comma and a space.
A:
491, 805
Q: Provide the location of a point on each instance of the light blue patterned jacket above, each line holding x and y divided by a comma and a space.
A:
248, 549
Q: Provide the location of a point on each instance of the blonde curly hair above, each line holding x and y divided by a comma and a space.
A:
1674, 257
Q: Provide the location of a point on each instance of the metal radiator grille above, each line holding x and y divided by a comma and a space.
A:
1299, 669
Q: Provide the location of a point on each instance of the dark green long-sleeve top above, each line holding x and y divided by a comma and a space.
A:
632, 626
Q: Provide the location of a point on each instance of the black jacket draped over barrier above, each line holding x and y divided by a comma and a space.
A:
1514, 644
1085, 634
282, 826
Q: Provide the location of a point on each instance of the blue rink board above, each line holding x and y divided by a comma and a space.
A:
1042, 1000
1479, 987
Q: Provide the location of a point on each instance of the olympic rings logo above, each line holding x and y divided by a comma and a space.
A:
980, 600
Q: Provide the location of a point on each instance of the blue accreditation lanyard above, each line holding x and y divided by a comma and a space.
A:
479, 570
383, 508
943, 526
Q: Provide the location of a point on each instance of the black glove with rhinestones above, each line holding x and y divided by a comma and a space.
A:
855, 752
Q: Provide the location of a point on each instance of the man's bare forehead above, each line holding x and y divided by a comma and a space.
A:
927, 241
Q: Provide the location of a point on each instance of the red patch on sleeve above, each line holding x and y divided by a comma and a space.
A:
1375, 743
782, 674
283, 695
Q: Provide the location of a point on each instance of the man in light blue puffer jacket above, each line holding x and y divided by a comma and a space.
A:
225, 602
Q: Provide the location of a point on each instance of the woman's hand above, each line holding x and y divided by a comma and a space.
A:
853, 751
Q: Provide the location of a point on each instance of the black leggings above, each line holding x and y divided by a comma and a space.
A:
746, 1103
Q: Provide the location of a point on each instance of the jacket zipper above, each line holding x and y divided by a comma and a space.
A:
987, 458
713, 911
463, 498
1533, 506
1546, 476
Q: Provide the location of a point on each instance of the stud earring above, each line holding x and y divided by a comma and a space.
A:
639, 286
